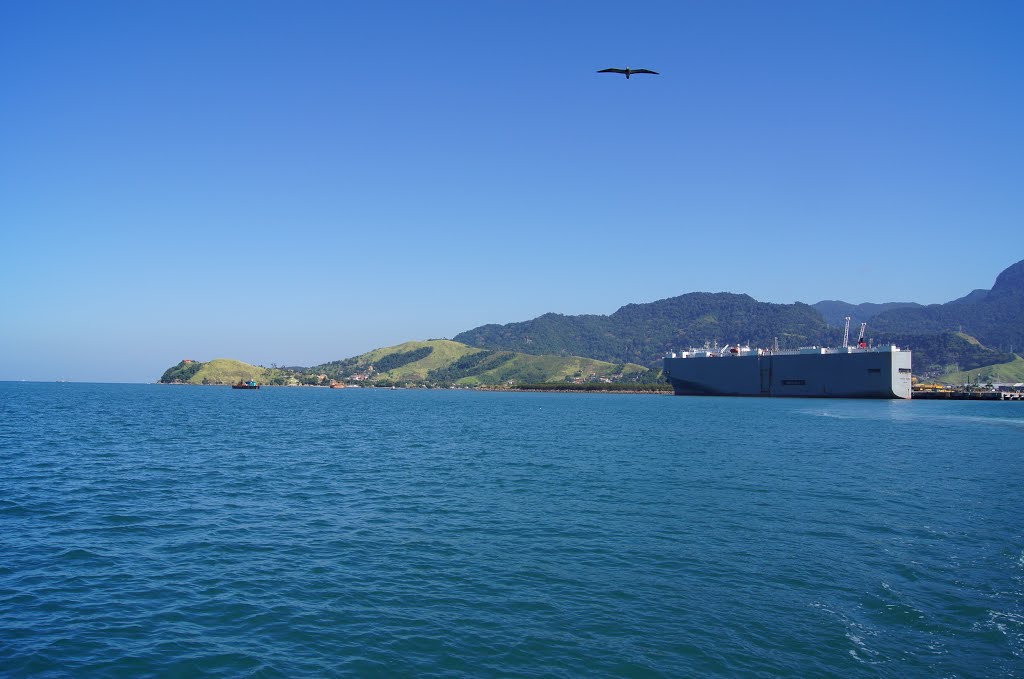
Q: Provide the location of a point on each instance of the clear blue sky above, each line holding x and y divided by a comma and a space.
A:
302, 182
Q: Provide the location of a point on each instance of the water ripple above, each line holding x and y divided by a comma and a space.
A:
155, 531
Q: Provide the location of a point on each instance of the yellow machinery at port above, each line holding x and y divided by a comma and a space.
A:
932, 387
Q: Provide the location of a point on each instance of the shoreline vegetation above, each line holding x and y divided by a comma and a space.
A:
554, 387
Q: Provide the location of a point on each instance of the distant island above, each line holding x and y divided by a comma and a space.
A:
973, 338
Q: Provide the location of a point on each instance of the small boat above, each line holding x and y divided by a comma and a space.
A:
251, 384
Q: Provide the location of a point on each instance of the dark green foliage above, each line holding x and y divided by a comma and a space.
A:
971, 297
933, 354
182, 372
549, 334
467, 366
339, 370
835, 311
643, 333
338, 365
400, 358
529, 373
996, 319
652, 376
335, 369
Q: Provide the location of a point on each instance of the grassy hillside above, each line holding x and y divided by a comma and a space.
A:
443, 353
1011, 372
448, 362
222, 371
430, 363
937, 354
524, 369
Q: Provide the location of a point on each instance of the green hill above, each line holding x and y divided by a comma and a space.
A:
979, 329
443, 362
411, 361
937, 354
836, 311
222, 371
995, 317
429, 363
643, 333
1011, 372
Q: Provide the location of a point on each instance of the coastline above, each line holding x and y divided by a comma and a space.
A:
557, 389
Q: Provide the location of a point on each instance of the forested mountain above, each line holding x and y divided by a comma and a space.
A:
983, 328
643, 333
978, 329
972, 296
995, 318
222, 371
935, 354
835, 311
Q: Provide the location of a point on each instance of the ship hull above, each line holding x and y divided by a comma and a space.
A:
884, 375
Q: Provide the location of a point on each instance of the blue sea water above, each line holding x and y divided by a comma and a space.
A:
153, 530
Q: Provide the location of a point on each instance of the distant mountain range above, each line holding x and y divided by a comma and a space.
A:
978, 329
642, 333
995, 317
982, 328
835, 312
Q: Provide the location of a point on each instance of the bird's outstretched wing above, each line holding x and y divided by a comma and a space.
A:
644, 70
613, 70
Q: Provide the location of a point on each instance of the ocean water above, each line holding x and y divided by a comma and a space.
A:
153, 530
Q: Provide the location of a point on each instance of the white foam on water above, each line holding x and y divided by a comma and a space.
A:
904, 414
1011, 626
855, 633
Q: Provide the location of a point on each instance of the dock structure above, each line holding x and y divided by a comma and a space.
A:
967, 395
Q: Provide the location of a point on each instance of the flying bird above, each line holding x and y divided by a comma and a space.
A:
628, 71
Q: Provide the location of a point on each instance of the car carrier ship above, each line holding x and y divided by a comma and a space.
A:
825, 372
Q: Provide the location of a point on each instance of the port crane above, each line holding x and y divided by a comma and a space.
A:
860, 336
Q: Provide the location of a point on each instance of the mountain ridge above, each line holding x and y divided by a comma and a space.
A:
981, 328
643, 332
995, 317
835, 311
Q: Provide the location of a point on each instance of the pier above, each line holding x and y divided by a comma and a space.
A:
967, 395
